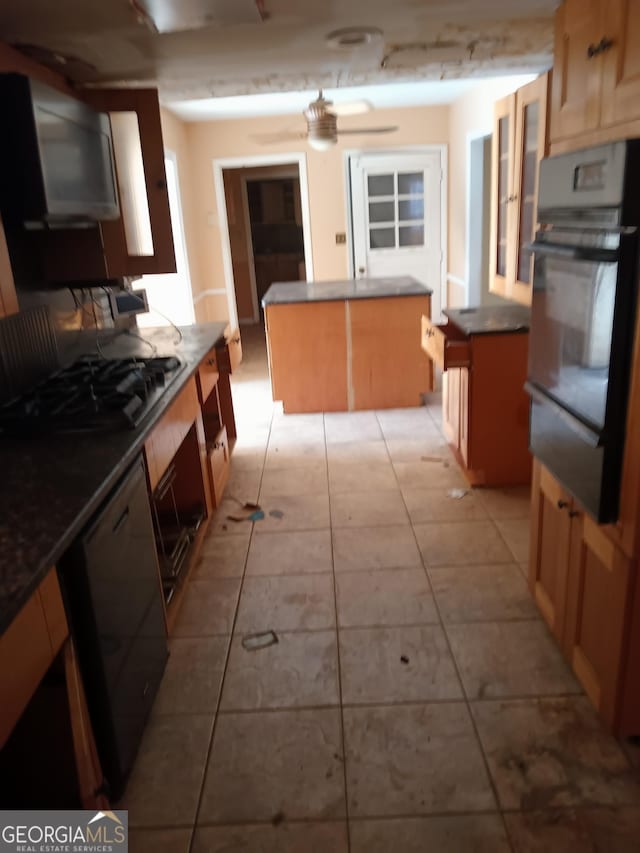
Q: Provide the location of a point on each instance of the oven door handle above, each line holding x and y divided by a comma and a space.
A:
575, 253
591, 436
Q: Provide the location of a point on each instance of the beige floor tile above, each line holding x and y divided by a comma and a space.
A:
300, 670
405, 423
308, 480
356, 452
275, 764
223, 556
286, 603
458, 543
524, 568
288, 455
497, 659
414, 759
159, 840
405, 664
364, 509
364, 548
482, 593
429, 474
373, 476
351, 426
386, 597
165, 783
460, 834
295, 512
603, 830
247, 457
515, 532
547, 753
439, 505
208, 608
300, 429
193, 676
243, 484
412, 450
307, 837
294, 553
507, 502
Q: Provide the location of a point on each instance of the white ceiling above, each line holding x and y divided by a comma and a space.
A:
220, 48
422, 93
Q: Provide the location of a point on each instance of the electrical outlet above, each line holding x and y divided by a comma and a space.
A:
341, 237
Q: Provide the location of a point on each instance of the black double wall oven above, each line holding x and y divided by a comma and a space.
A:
583, 316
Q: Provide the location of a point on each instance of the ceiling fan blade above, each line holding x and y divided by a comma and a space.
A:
390, 129
350, 108
278, 136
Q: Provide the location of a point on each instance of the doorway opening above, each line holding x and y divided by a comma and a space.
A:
479, 221
266, 238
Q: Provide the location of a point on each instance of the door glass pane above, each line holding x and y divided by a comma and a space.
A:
571, 331
380, 185
412, 208
503, 193
382, 238
411, 235
382, 211
410, 183
527, 191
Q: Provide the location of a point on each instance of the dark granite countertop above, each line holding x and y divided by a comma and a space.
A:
491, 319
286, 292
51, 487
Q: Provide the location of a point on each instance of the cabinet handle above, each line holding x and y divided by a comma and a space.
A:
603, 46
211, 362
562, 504
429, 333
574, 513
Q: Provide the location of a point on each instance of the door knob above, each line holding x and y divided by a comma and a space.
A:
562, 504
361, 270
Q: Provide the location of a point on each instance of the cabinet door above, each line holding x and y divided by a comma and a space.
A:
141, 240
530, 142
595, 625
502, 193
550, 541
621, 62
465, 379
451, 405
577, 75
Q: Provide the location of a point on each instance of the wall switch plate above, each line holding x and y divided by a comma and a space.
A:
341, 237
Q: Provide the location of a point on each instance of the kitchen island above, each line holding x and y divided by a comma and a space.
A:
339, 346
485, 410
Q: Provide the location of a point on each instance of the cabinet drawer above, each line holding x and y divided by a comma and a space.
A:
168, 435
207, 375
218, 452
230, 355
445, 345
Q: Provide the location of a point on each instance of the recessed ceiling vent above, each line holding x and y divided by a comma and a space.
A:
353, 37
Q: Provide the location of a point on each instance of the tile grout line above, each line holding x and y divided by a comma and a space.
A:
335, 604
457, 671
209, 750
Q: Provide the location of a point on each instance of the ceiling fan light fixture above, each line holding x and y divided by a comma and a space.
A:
348, 38
320, 143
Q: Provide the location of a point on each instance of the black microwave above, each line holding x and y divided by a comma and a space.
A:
57, 162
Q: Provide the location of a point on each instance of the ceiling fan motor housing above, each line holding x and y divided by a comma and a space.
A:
322, 125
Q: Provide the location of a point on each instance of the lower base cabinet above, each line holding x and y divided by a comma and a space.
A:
585, 588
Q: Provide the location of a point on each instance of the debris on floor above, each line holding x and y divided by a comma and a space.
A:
456, 494
253, 513
261, 640
276, 513
278, 818
245, 504
437, 459
258, 515
404, 659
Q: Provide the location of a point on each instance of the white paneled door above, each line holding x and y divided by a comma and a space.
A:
396, 207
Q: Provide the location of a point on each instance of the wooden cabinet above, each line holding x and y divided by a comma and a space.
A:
485, 411
141, 240
583, 584
596, 73
519, 143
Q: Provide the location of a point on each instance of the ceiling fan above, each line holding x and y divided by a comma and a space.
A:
322, 124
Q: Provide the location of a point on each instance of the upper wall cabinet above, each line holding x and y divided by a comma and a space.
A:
519, 143
141, 240
596, 72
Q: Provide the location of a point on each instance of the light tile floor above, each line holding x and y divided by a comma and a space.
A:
414, 700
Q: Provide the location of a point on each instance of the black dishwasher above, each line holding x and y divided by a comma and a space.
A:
112, 587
